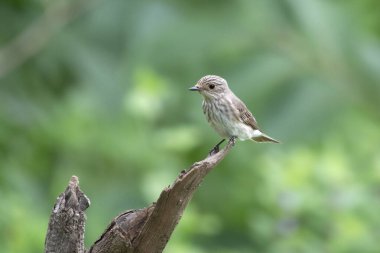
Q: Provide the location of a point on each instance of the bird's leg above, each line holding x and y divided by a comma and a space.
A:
233, 140
216, 148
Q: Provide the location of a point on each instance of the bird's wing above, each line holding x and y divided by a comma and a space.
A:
245, 115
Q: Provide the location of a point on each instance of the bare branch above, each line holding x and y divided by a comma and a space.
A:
66, 226
140, 231
171, 203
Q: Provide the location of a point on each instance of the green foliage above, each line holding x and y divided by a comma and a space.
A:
105, 98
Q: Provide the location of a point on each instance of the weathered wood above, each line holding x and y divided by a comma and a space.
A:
139, 231
171, 204
66, 226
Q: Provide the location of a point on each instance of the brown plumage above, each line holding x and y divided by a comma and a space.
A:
226, 113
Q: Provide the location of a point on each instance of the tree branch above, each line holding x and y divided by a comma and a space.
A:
66, 226
148, 230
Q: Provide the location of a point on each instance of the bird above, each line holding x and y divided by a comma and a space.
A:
226, 113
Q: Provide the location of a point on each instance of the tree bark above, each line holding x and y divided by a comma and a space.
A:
145, 230
66, 226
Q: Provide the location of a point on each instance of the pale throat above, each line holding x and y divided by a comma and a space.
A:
213, 96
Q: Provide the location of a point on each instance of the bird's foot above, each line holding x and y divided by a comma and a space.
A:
216, 148
233, 140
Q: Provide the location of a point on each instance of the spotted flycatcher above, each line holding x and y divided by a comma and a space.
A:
226, 113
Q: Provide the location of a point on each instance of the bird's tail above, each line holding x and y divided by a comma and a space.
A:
264, 138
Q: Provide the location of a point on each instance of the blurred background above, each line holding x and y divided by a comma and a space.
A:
98, 89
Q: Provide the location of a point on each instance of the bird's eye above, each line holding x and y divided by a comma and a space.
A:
211, 86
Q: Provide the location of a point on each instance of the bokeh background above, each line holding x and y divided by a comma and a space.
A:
98, 89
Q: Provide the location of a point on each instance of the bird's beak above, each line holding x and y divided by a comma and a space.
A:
194, 88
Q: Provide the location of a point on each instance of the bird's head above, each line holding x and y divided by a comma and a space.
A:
211, 87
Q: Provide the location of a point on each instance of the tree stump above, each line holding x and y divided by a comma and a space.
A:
145, 230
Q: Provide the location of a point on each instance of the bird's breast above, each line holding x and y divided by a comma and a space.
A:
220, 117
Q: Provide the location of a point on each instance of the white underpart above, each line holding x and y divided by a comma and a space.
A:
245, 132
227, 127
256, 133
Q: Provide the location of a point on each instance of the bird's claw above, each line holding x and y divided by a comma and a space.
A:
216, 148
213, 151
233, 140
